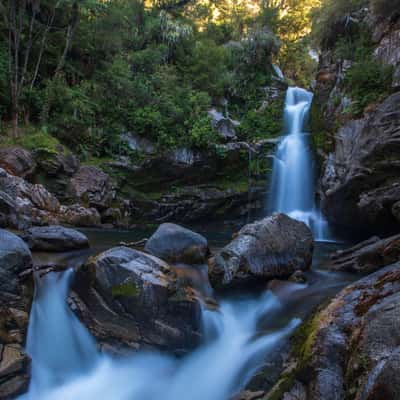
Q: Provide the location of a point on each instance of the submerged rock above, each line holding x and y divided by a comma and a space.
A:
55, 238
368, 256
129, 298
274, 247
174, 243
351, 347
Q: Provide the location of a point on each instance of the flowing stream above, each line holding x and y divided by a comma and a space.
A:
238, 337
293, 183
66, 364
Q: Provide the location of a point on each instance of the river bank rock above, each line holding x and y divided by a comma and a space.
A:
15, 298
173, 243
15, 256
350, 348
55, 238
274, 247
128, 298
367, 256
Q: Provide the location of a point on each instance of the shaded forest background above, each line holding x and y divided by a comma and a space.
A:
84, 72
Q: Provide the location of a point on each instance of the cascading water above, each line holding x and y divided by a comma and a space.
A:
292, 185
66, 364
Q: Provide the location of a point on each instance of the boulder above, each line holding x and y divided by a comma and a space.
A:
274, 247
367, 256
350, 348
129, 298
55, 238
174, 243
92, 187
17, 161
15, 256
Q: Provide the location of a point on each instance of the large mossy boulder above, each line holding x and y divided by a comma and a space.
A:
55, 238
135, 299
274, 247
174, 243
350, 348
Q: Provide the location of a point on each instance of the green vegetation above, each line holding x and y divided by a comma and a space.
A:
128, 289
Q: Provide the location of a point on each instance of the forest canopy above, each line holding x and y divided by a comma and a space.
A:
84, 72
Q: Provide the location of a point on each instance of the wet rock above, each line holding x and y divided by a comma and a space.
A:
298, 277
274, 247
92, 187
130, 298
17, 161
55, 238
174, 243
351, 346
367, 256
15, 256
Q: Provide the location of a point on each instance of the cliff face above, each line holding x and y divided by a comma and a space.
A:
360, 179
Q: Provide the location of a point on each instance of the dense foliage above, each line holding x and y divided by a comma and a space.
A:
86, 71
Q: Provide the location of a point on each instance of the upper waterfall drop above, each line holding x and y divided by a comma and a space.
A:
292, 189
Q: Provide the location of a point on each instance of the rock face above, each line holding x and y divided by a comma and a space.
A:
17, 161
351, 347
92, 187
225, 126
129, 298
274, 247
368, 256
174, 243
15, 297
361, 183
55, 238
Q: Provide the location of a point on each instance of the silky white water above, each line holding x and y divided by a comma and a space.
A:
66, 364
292, 188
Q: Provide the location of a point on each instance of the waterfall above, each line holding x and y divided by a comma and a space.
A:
292, 189
66, 364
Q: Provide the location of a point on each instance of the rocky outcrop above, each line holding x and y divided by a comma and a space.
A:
17, 161
368, 256
349, 349
176, 244
128, 298
225, 126
15, 297
361, 184
193, 203
92, 187
23, 204
274, 247
55, 238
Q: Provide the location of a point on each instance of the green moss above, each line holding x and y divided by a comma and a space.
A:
33, 139
128, 289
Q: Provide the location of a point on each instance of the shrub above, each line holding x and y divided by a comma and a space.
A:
368, 81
